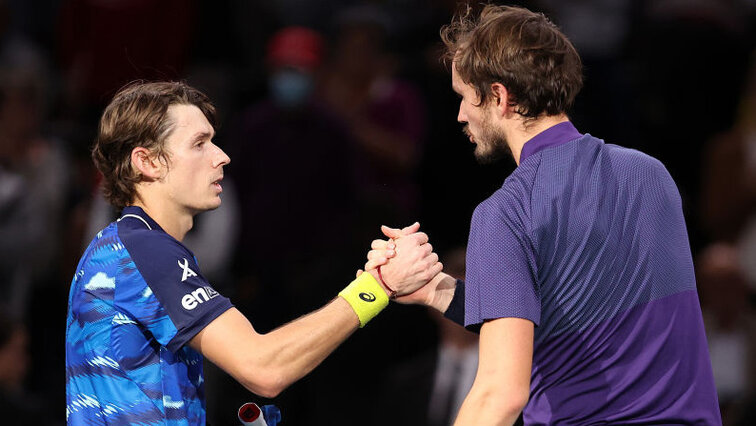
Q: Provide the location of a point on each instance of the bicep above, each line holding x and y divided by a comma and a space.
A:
227, 342
506, 356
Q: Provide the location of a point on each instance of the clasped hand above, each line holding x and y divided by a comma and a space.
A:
406, 259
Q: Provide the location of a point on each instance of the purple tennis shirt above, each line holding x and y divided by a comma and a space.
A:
588, 241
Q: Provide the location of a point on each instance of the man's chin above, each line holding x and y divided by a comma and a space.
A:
488, 156
215, 204
207, 207
492, 153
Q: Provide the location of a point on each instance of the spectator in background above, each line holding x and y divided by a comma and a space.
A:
686, 75
35, 190
728, 207
98, 47
297, 186
33, 185
730, 328
285, 140
384, 114
16, 403
104, 45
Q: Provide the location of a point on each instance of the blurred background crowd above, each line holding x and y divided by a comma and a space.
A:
339, 117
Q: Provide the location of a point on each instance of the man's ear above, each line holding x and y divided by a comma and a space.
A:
148, 164
500, 99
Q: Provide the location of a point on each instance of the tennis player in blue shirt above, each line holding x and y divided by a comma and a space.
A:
141, 316
579, 271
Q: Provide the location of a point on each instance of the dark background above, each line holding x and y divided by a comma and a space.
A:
377, 143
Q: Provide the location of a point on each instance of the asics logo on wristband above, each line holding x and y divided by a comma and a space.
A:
368, 297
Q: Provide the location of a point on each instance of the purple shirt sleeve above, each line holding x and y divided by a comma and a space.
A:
501, 271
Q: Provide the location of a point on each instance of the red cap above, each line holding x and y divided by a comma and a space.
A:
297, 47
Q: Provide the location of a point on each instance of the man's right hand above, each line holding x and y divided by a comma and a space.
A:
436, 293
412, 261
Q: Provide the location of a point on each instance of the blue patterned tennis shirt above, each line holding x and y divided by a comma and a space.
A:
136, 300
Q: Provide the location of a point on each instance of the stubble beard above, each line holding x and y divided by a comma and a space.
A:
490, 145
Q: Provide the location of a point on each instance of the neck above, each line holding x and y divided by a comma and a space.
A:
521, 131
174, 223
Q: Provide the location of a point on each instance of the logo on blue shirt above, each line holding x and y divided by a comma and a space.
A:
190, 300
187, 272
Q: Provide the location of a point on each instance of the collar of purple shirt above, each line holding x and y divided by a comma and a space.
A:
555, 135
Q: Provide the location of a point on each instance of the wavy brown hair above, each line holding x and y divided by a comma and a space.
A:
520, 49
138, 117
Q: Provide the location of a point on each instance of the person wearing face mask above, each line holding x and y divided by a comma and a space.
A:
279, 136
293, 57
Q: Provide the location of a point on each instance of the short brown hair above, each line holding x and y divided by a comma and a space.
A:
138, 117
520, 49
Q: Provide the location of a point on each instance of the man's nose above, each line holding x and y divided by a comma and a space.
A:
222, 159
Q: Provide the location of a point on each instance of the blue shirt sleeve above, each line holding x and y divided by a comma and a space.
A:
172, 276
501, 270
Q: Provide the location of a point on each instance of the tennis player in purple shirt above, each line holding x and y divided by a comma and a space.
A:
579, 271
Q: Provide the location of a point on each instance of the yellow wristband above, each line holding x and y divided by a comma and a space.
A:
366, 297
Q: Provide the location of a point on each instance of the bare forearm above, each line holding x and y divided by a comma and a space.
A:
502, 385
267, 363
482, 407
296, 348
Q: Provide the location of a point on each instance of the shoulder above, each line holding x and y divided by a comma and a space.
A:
154, 252
592, 152
513, 198
636, 163
632, 156
504, 209
138, 236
